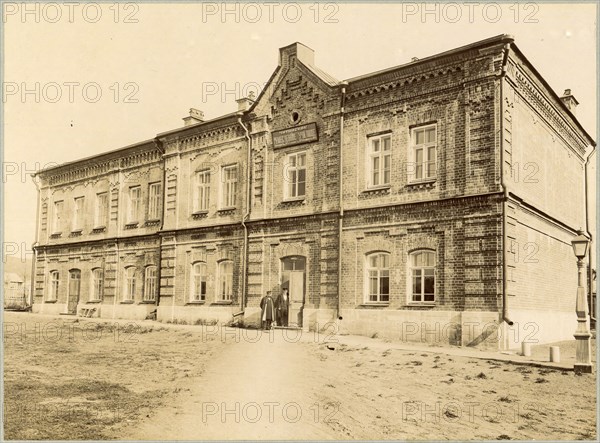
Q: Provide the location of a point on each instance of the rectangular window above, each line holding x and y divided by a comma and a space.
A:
378, 278
129, 286
101, 214
198, 289
229, 186
225, 280
57, 218
424, 146
97, 284
53, 288
135, 194
295, 176
202, 191
77, 214
380, 160
154, 198
422, 273
150, 283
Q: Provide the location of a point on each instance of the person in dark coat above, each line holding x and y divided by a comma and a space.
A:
282, 305
267, 305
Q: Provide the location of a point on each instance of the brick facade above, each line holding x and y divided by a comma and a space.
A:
466, 160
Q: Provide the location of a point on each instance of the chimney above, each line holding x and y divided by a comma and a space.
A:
195, 116
569, 101
244, 103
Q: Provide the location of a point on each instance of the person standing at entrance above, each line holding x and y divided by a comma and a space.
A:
282, 304
267, 305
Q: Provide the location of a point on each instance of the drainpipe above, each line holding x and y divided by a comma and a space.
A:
162, 222
504, 190
35, 244
246, 216
341, 198
590, 279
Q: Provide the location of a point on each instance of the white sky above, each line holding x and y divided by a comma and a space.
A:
176, 54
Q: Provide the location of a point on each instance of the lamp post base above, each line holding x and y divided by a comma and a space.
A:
583, 368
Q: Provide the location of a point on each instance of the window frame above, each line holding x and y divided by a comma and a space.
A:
154, 201
201, 203
202, 276
131, 216
410, 285
58, 209
425, 146
228, 198
288, 183
78, 211
53, 286
150, 283
101, 212
381, 155
368, 278
228, 281
97, 284
129, 288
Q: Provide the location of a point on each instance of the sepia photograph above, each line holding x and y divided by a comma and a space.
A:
304, 221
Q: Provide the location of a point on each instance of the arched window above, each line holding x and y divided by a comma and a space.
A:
378, 277
150, 277
198, 283
129, 283
422, 275
225, 288
97, 284
53, 286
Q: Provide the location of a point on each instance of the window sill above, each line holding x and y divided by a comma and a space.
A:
379, 190
50, 301
126, 302
199, 302
294, 200
94, 301
147, 302
419, 184
152, 222
226, 211
199, 214
223, 302
56, 235
98, 229
427, 304
132, 225
375, 304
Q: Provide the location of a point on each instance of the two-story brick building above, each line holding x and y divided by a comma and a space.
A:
433, 201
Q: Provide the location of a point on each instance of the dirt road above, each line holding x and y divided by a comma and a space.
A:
260, 387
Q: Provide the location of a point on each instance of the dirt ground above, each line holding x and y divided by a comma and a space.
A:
152, 381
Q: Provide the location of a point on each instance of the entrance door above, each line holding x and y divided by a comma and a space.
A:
296, 298
293, 276
73, 293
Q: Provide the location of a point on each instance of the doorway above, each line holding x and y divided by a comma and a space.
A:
73, 292
293, 278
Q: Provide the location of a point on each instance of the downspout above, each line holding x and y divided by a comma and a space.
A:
245, 217
162, 222
504, 190
587, 227
35, 243
341, 199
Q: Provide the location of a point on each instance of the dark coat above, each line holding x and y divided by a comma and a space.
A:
283, 305
268, 308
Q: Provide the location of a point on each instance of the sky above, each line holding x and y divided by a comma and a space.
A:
84, 79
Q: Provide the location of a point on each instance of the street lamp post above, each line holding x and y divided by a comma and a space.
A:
583, 362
